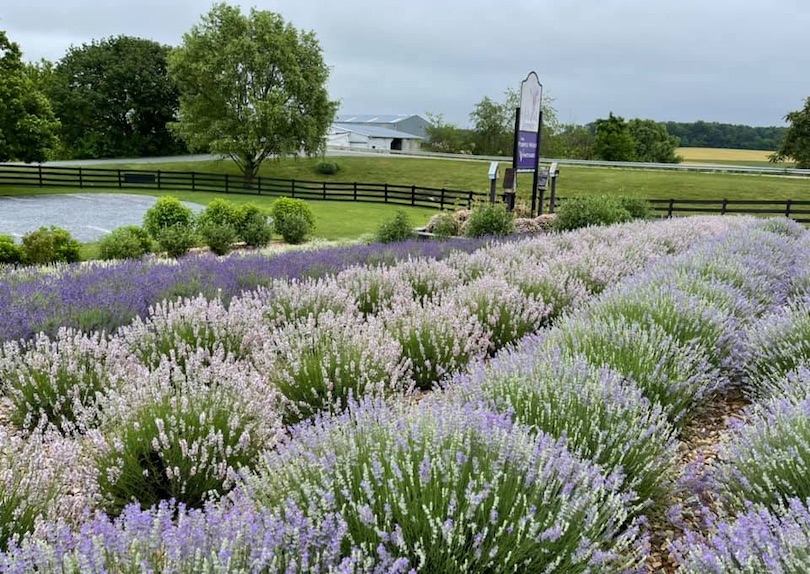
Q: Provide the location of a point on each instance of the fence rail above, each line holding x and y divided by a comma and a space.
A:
413, 195
798, 210
88, 178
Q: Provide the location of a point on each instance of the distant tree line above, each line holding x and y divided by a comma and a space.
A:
729, 136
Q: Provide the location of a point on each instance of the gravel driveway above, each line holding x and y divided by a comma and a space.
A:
87, 216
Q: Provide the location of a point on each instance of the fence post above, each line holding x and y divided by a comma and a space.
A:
540, 198
671, 207
260, 184
193, 183
355, 191
40, 175
385, 192
413, 195
119, 177
787, 207
324, 190
227, 183
158, 179
441, 200
292, 187
81, 183
724, 206
469, 200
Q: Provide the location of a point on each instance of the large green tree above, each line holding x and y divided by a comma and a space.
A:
653, 142
114, 99
614, 142
251, 86
27, 123
796, 144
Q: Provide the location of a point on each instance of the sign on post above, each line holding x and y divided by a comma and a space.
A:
528, 127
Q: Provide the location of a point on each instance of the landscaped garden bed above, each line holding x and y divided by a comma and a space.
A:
463, 406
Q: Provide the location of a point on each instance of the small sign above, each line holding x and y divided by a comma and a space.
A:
542, 178
509, 178
527, 144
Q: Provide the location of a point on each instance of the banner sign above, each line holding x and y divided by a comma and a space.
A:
527, 145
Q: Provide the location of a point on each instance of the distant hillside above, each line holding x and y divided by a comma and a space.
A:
730, 136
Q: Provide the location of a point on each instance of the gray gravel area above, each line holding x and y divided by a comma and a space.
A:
87, 216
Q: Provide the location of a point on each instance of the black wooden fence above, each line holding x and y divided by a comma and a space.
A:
123, 179
413, 195
798, 210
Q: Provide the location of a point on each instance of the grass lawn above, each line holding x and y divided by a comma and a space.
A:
333, 219
574, 180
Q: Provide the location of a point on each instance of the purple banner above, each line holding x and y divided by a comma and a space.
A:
527, 150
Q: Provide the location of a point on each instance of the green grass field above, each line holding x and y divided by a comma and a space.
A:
574, 180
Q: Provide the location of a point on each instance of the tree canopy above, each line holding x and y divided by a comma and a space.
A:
251, 86
614, 142
653, 142
27, 123
114, 99
796, 145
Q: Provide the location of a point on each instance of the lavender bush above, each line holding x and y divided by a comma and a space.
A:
677, 376
505, 313
447, 489
319, 363
603, 417
426, 279
58, 382
759, 540
767, 460
438, 338
177, 329
287, 301
373, 288
231, 536
775, 346
183, 433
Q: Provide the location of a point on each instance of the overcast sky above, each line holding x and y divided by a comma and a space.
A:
736, 61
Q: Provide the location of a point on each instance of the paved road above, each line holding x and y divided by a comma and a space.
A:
87, 216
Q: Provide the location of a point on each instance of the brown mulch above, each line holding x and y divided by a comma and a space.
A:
701, 440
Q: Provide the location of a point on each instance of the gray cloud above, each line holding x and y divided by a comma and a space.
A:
736, 61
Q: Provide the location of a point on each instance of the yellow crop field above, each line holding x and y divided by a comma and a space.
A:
714, 155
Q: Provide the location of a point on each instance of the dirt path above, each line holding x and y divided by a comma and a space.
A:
701, 440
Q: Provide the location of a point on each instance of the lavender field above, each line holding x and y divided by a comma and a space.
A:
526, 405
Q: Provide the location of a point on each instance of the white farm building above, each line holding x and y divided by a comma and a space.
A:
381, 132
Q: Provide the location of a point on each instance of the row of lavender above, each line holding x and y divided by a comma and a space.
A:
761, 482
447, 485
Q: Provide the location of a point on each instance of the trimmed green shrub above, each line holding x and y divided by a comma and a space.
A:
292, 219
294, 228
445, 225
490, 219
128, 242
580, 212
168, 211
327, 167
10, 252
176, 240
637, 207
219, 212
219, 237
252, 225
398, 228
50, 245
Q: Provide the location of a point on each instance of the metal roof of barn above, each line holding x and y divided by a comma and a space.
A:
375, 131
370, 118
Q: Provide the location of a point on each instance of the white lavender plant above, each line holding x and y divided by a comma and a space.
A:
506, 314
318, 364
438, 338
374, 288
183, 432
